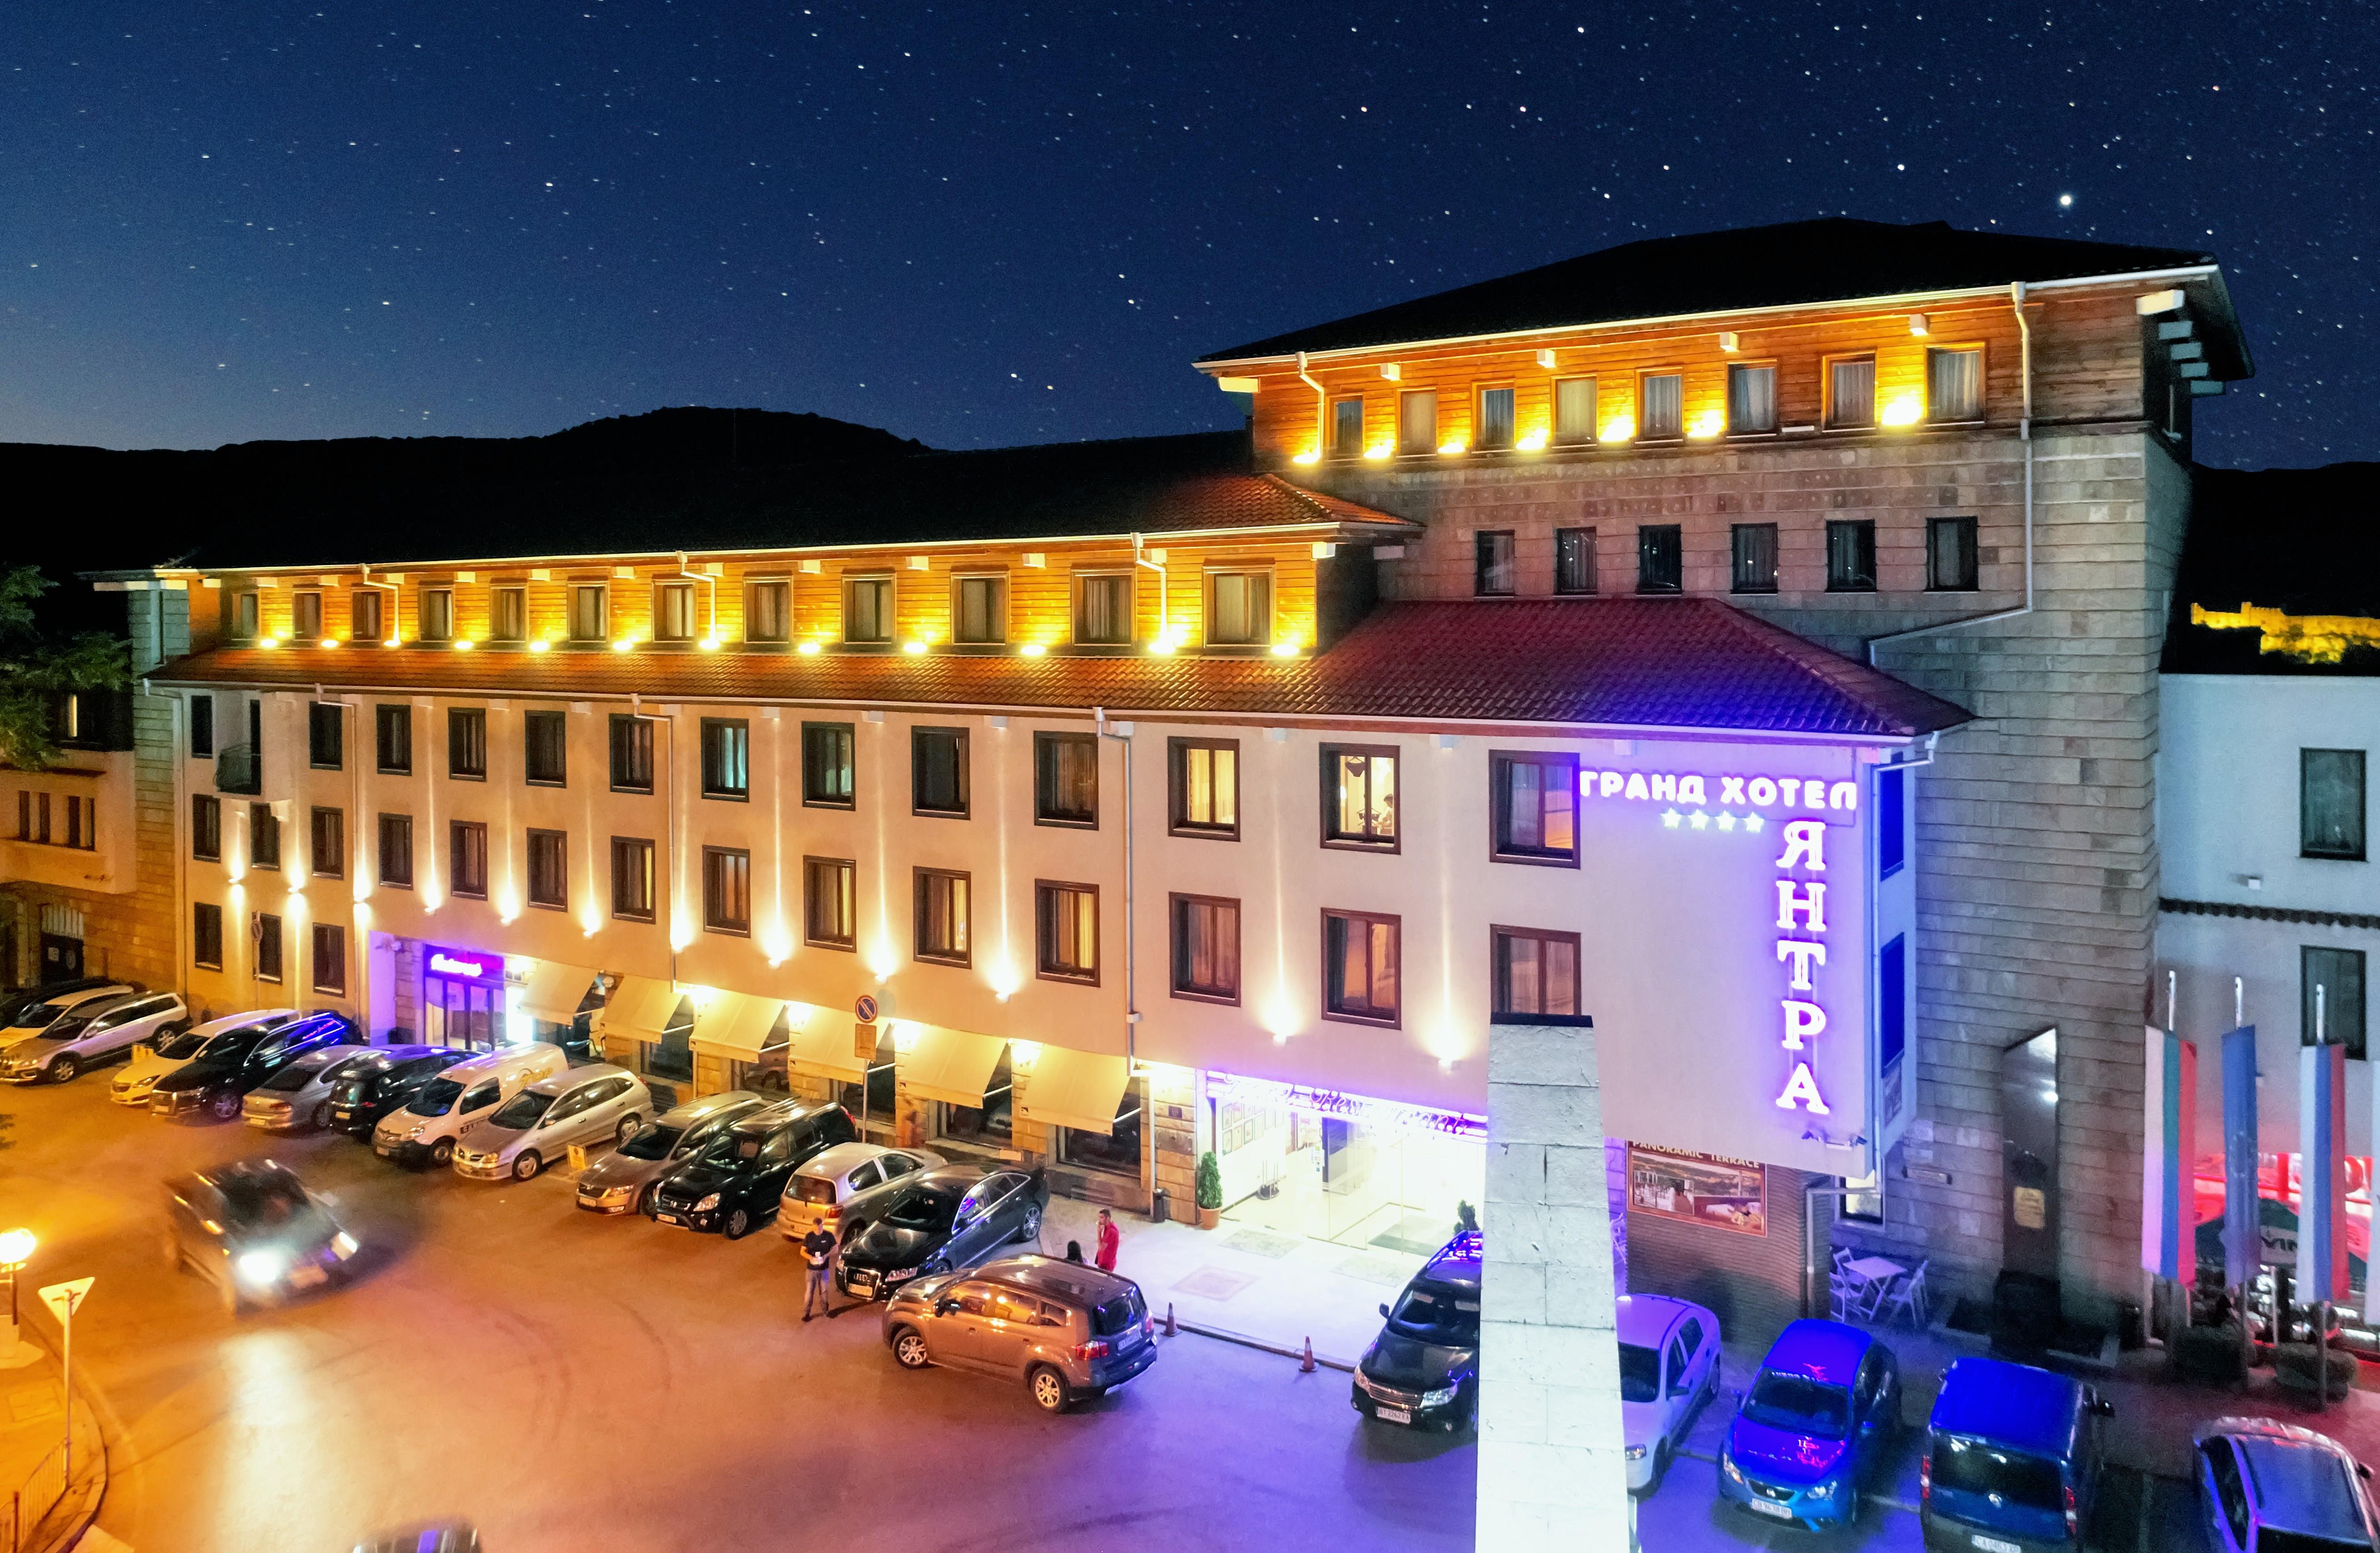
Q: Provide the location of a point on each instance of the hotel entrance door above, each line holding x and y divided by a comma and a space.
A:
463, 1014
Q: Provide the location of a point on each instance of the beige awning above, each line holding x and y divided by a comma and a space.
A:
640, 1008
824, 1043
555, 990
736, 1024
952, 1067
1078, 1089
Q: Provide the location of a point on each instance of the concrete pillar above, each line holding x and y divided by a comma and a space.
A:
1552, 1472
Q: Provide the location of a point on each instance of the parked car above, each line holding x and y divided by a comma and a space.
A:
1668, 1369
933, 1221
254, 1230
365, 1093
621, 1180
93, 1032
1821, 1412
815, 1196
421, 1128
152, 1059
2011, 1459
734, 1184
1066, 1330
597, 1104
16, 1005
2269, 1488
1423, 1370
300, 1095
227, 1067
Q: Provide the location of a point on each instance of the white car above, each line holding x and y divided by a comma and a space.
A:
91, 1034
817, 1191
1668, 1369
2263, 1485
425, 1128
153, 1060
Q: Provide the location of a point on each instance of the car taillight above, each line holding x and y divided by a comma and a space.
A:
2073, 1521
1926, 1477
1090, 1349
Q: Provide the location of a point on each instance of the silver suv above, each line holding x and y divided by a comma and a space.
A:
1066, 1330
536, 1127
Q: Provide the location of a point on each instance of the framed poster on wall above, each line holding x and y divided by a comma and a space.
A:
1706, 1189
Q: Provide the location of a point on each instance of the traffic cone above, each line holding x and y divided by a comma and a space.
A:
1306, 1360
1170, 1329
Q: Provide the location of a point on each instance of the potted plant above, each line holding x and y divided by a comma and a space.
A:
1210, 1190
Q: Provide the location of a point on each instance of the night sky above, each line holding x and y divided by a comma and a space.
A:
979, 225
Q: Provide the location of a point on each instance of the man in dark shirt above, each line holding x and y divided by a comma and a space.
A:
817, 1248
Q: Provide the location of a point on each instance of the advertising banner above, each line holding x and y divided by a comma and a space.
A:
1704, 1189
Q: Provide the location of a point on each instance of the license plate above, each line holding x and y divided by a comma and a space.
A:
1764, 1507
863, 1280
1994, 1545
307, 1277
1392, 1415
669, 1218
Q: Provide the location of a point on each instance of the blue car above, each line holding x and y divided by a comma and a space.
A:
1819, 1415
2012, 1461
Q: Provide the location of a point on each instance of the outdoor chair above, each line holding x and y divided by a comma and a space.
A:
1907, 1298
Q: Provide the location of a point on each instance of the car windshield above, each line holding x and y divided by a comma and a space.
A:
522, 1111
66, 1029
38, 1016
232, 1046
436, 1098
653, 1142
1436, 1313
1970, 1466
178, 1045
926, 1210
814, 1189
1640, 1374
266, 1203
1800, 1405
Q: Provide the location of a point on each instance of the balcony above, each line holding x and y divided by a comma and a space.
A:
239, 768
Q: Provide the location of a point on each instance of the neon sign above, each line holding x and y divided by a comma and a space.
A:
1694, 787
460, 963
1802, 907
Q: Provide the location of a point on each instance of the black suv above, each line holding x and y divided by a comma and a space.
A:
1423, 1370
383, 1081
929, 1221
236, 1061
734, 1184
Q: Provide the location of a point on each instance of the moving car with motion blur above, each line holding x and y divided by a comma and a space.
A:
1423, 1370
253, 1230
621, 1180
1668, 1369
93, 1033
152, 1059
1821, 1413
420, 1128
933, 1221
734, 1184
1068, 1331
2270, 1487
538, 1126
300, 1095
815, 1196
227, 1067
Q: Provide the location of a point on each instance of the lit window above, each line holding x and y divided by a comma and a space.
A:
1751, 399
437, 614
1535, 972
1493, 573
1574, 412
942, 926
1239, 608
1346, 427
1954, 384
1359, 797
1102, 609
868, 610
980, 610
1661, 407
1066, 778
1205, 782
830, 905
1206, 948
768, 612
1066, 931
1850, 393
1360, 968
1417, 421
1535, 797
363, 614
509, 614
726, 889
305, 610
672, 612
589, 611
1495, 419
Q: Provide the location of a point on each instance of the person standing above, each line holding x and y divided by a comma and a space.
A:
817, 1249
1110, 1237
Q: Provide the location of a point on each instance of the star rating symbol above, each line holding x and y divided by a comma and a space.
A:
1726, 821
1669, 818
1699, 821
1753, 822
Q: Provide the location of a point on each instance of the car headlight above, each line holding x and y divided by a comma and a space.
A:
897, 1274
344, 1244
261, 1267
1635, 1452
706, 1204
1727, 1464
1824, 1490
1438, 1398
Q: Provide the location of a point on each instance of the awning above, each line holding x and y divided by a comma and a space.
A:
952, 1067
555, 990
736, 1024
640, 1008
824, 1044
1078, 1089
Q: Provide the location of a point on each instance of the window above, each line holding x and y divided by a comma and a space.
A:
1066, 931
202, 727
1417, 421
1889, 822
327, 840
938, 772
545, 749
82, 822
549, 869
325, 735
632, 754
392, 739
509, 614
980, 610
396, 850
437, 614
1850, 555
1951, 555
726, 889
1753, 552
468, 840
829, 901
1102, 609
1660, 558
1239, 608
1206, 783
1495, 430
1346, 427
267, 946
726, 757
2330, 804
1892, 1011
1359, 797
243, 616
1574, 412
1661, 407
2337, 974
206, 825
306, 615
1751, 399
466, 742
672, 612
943, 916
989, 1125
1954, 384
1535, 972
826, 765
1573, 560
589, 611
263, 836
1864, 1197
1492, 572
330, 958
34, 818
768, 612
1359, 966
1206, 948
1066, 778
206, 936
868, 609
363, 615
1850, 393
632, 878
1536, 801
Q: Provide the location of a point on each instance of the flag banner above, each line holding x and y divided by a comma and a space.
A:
2242, 1244
2322, 1215
2168, 1211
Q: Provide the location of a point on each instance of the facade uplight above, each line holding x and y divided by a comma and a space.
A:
1308, 456
1533, 443
1285, 648
1619, 429
1031, 649
464, 644
709, 644
914, 648
268, 642
1903, 409
1455, 444
541, 645
328, 641
622, 644
1708, 424
809, 649
1380, 450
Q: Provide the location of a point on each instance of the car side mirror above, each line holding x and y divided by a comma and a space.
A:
2105, 1409
944, 1307
2363, 1472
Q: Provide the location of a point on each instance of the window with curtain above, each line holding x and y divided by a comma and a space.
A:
1954, 384
363, 615
632, 878
768, 610
1534, 796
1574, 412
468, 858
329, 839
868, 610
632, 754
1066, 778
1206, 787
2330, 804
1850, 555
726, 889
1753, 551
466, 742
1066, 932
1239, 608
1660, 558
1359, 797
1751, 399
1103, 608
827, 765
980, 612
589, 611
942, 930
1535, 972
306, 615
1417, 421
1850, 392
1950, 557
1206, 948
673, 612
726, 757
1493, 573
829, 901
393, 737
1495, 419
243, 616
396, 850
938, 772
509, 614
437, 614
1360, 971
1346, 427
545, 749
1573, 560
1661, 407
549, 869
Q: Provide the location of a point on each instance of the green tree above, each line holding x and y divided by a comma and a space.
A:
36, 668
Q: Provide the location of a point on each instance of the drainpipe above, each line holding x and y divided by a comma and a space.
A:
710, 631
363, 579
1131, 965
1321, 405
1163, 629
2024, 436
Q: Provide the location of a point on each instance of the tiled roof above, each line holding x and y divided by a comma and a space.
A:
1794, 263
1611, 663
2299, 544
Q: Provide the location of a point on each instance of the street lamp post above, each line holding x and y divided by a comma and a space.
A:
16, 1250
